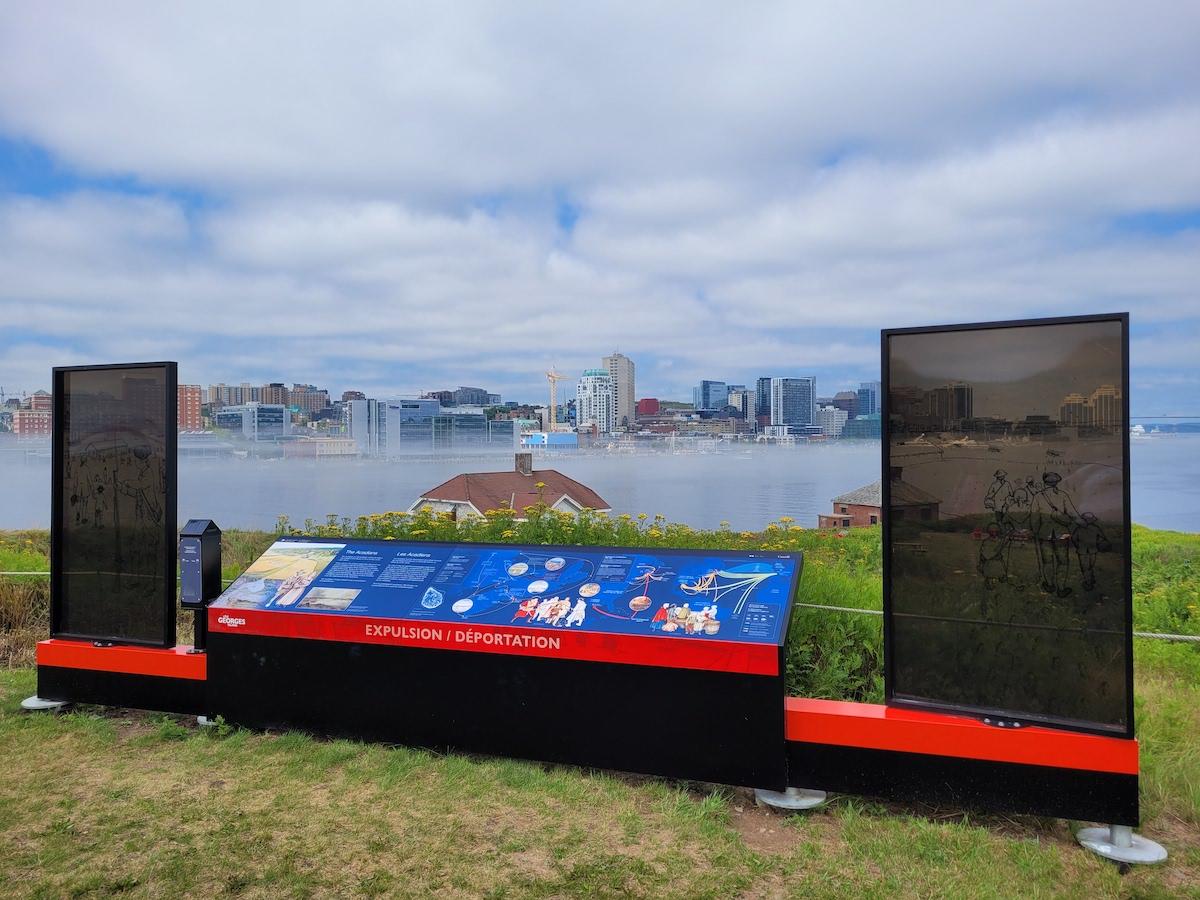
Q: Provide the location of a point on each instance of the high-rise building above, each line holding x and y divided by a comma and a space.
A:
868, 398
274, 394
360, 421
1107, 407
832, 420
762, 397
710, 395
1074, 410
594, 401
308, 398
951, 403
188, 417
848, 401
621, 371
743, 401
793, 401
347, 396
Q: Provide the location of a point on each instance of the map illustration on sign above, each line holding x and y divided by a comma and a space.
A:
683, 594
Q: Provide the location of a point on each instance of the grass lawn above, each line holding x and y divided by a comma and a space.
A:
100, 802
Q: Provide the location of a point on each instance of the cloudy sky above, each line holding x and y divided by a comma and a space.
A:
397, 200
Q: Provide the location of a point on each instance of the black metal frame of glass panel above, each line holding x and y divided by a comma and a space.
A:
885, 472
170, 524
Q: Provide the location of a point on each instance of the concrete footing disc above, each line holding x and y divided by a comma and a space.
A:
37, 704
1128, 848
792, 799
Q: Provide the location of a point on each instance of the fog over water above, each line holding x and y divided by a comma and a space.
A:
746, 487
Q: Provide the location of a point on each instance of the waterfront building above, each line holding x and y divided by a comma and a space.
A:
621, 370
495, 400
347, 396
793, 401
868, 398
41, 401
360, 422
255, 421
710, 395
549, 440
594, 404
863, 427
188, 405
474, 493
648, 406
831, 420
320, 448
32, 423
859, 508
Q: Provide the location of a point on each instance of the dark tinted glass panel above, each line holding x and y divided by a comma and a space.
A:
1007, 521
115, 556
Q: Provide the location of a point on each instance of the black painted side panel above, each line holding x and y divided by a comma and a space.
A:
175, 695
679, 723
971, 783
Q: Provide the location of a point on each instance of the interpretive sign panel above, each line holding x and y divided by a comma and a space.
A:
1006, 487
113, 518
721, 609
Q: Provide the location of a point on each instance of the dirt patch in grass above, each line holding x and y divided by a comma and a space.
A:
764, 831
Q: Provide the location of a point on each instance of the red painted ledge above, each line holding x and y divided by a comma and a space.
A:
875, 727
170, 662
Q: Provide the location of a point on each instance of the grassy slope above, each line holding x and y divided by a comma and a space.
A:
185, 811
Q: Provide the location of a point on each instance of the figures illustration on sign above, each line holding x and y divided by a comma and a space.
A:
1045, 514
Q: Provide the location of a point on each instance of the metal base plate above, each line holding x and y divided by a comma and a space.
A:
1120, 844
37, 704
790, 800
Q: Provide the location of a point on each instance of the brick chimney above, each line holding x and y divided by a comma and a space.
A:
525, 463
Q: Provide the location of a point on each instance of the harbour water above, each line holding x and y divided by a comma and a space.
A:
745, 487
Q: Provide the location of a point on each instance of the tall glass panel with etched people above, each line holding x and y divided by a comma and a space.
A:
1007, 576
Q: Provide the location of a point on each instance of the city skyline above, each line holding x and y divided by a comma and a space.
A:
471, 219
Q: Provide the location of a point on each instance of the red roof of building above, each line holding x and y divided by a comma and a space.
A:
504, 490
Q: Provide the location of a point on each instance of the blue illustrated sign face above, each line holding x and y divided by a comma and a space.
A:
729, 596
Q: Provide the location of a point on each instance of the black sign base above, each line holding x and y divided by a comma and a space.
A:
680, 723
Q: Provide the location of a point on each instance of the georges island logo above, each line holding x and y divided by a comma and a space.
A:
230, 621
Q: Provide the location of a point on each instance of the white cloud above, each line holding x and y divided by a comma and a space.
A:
756, 187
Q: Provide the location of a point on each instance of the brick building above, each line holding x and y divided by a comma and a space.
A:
856, 509
188, 416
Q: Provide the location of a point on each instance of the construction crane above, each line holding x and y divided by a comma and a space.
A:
554, 378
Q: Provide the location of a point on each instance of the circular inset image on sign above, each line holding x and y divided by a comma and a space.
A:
518, 569
461, 606
554, 563
637, 604
538, 587
591, 589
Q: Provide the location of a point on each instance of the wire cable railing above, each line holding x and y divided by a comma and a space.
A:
854, 610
